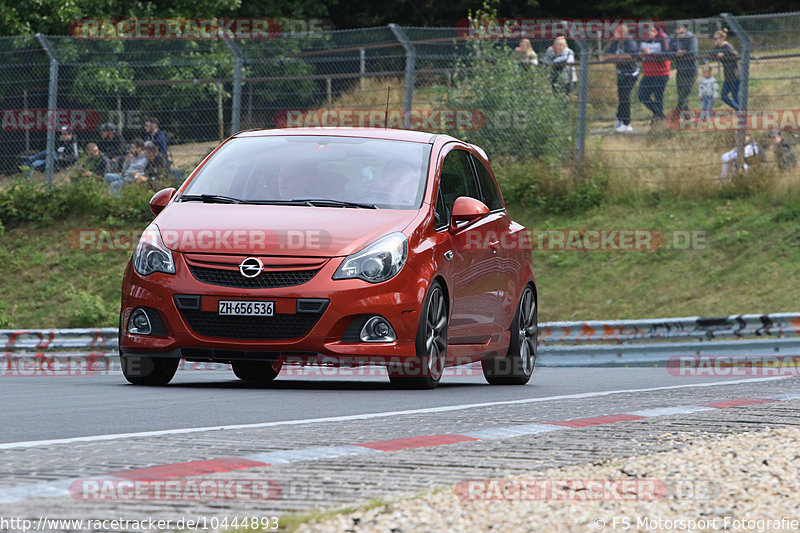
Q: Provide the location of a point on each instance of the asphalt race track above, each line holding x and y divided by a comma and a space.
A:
330, 441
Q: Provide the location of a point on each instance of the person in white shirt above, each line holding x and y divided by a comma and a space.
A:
562, 60
709, 91
752, 155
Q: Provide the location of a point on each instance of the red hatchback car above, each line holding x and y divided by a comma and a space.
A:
333, 246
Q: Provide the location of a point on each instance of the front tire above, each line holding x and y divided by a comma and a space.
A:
430, 344
256, 371
145, 370
517, 366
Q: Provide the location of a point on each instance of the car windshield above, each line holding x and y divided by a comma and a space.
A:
325, 171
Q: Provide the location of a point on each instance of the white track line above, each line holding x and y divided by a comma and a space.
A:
369, 416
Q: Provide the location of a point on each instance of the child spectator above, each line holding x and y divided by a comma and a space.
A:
709, 91
562, 60
727, 55
783, 152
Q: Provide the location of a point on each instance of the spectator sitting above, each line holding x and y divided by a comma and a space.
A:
709, 91
112, 145
562, 60
526, 56
753, 156
95, 163
135, 163
156, 172
783, 152
66, 152
157, 136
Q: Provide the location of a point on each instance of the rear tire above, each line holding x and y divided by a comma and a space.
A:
256, 371
145, 370
430, 344
517, 366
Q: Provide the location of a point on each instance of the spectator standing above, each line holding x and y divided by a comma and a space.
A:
526, 55
95, 163
655, 71
708, 92
623, 52
135, 163
684, 50
783, 152
156, 135
156, 172
729, 58
112, 145
562, 60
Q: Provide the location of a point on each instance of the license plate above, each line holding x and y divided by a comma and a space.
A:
245, 308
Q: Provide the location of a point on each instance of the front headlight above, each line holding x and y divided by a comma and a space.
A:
151, 255
377, 262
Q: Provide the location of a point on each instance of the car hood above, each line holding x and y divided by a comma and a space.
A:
276, 230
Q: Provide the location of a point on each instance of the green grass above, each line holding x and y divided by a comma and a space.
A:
749, 264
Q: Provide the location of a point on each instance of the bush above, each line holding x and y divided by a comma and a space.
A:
544, 186
27, 202
524, 117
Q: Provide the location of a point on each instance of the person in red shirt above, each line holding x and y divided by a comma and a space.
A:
654, 51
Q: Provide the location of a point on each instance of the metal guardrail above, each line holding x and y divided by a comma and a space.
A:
590, 343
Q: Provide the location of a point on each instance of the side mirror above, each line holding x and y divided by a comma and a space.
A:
160, 200
466, 209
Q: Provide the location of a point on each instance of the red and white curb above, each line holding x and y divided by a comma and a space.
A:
263, 460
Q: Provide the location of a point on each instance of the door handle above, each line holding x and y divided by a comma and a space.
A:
448, 255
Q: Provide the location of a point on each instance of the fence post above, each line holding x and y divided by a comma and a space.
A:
411, 56
238, 67
583, 89
744, 83
362, 65
52, 104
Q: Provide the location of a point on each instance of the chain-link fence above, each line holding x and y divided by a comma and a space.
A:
487, 90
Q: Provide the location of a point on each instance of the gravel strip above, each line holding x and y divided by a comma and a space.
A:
743, 482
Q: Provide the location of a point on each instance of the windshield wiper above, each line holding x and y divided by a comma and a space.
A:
209, 199
327, 202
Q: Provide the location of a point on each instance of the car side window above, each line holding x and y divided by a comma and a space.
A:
490, 195
457, 179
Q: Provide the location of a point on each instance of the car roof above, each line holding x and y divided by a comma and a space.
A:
370, 133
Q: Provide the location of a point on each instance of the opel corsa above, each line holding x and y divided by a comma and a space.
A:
332, 246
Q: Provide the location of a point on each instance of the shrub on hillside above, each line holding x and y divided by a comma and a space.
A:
524, 117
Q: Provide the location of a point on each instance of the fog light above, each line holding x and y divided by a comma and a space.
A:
377, 329
139, 323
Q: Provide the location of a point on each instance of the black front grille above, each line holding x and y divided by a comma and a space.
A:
266, 280
278, 327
